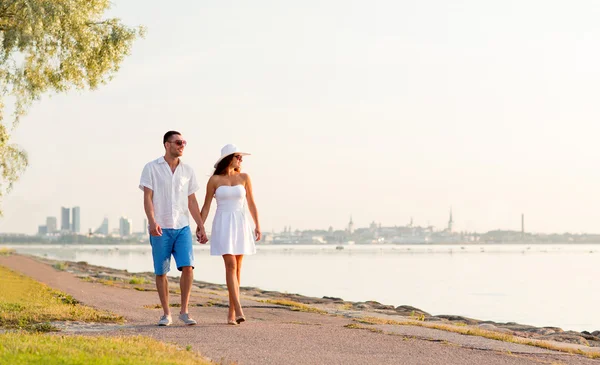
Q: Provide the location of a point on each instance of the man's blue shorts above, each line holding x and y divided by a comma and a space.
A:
176, 242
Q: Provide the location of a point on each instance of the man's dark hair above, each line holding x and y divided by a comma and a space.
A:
168, 135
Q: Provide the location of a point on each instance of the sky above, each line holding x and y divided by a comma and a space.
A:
380, 110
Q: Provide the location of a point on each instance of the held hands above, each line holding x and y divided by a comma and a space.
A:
155, 229
201, 235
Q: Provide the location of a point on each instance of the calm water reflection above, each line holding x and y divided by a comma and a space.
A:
542, 285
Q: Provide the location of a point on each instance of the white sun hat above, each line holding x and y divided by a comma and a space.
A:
229, 149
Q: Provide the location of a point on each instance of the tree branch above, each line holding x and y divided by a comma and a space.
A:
4, 10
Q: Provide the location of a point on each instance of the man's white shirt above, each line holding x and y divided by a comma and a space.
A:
170, 191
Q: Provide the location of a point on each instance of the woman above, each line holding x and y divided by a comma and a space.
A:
232, 236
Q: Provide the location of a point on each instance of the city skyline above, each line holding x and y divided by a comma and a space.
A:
375, 233
70, 221
385, 112
126, 226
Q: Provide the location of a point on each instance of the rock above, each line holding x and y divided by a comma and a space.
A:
435, 319
544, 331
451, 318
491, 327
377, 305
528, 331
565, 337
361, 306
596, 333
586, 335
407, 310
334, 299
523, 328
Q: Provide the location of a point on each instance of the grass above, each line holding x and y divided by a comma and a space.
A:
20, 348
359, 327
417, 317
61, 266
107, 282
28, 304
295, 306
26, 309
211, 303
304, 323
346, 306
152, 306
136, 280
471, 331
6, 251
354, 326
139, 288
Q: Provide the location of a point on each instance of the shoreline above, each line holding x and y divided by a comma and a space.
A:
279, 330
489, 297
465, 243
370, 312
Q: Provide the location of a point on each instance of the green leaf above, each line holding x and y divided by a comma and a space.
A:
53, 46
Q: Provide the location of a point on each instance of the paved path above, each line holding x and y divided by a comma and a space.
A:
276, 335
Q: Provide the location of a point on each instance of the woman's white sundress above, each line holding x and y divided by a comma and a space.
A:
232, 231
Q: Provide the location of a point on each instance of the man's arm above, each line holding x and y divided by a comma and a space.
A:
195, 212
154, 228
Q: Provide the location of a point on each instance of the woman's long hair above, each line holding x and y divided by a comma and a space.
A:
223, 165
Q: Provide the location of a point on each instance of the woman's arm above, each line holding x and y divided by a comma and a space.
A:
195, 212
210, 193
252, 206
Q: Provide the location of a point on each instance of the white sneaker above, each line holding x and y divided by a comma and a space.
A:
165, 320
185, 318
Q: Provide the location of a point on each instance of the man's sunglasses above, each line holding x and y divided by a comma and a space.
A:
179, 142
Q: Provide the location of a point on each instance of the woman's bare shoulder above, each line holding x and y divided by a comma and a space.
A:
244, 177
213, 180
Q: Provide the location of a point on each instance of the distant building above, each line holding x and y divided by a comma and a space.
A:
124, 227
145, 227
65, 223
51, 224
76, 219
42, 230
103, 229
450, 222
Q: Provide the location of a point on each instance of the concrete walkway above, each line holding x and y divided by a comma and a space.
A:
277, 335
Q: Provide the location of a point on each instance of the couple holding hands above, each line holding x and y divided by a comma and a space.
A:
169, 188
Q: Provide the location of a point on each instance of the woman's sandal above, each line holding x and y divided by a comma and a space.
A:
240, 319
232, 322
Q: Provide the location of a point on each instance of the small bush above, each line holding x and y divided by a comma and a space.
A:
42, 327
6, 251
138, 280
60, 266
65, 298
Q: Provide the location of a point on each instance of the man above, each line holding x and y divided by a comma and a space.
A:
169, 188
